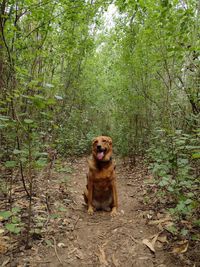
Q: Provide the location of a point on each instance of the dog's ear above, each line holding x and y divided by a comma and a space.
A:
109, 140
94, 140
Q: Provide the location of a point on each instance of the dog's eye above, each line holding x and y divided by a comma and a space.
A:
104, 141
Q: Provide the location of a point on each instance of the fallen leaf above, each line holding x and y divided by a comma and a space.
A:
171, 228
160, 221
79, 255
187, 223
5, 262
149, 216
162, 239
3, 246
144, 258
115, 261
2, 231
168, 223
181, 247
65, 222
61, 245
159, 244
148, 244
155, 237
102, 257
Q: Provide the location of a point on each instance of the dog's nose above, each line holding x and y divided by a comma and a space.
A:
98, 146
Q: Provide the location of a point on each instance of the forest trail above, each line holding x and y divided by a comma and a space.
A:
69, 71
100, 240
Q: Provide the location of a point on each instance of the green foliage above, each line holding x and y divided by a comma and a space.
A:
14, 225
5, 214
173, 167
13, 228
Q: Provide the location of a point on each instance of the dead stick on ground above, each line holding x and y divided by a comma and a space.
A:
41, 262
134, 240
56, 252
76, 223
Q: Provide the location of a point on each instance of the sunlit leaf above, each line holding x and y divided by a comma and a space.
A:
10, 164
28, 121
13, 228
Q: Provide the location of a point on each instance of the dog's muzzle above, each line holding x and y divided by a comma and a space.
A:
100, 152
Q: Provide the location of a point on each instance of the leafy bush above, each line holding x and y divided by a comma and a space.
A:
174, 166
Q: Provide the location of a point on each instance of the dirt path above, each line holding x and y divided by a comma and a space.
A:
100, 240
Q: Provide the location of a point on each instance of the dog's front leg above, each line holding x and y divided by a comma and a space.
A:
115, 198
90, 195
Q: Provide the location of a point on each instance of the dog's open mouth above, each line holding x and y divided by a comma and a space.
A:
100, 153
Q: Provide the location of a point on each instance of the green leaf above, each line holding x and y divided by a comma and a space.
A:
41, 162
190, 194
39, 101
10, 164
49, 85
3, 126
5, 214
48, 242
43, 153
181, 206
28, 121
13, 228
195, 238
184, 232
4, 118
197, 223
170, 189
16, 210
164, 182
62, 209
196, 155
55, 216
188, 201
17, 151
172, 229
58, 97
40, 224
15, 220
51, 101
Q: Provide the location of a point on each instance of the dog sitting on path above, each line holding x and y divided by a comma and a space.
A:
101, 192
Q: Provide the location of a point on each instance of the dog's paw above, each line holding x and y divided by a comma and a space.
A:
113, 212
90, 211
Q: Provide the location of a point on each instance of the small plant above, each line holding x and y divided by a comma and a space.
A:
12, 220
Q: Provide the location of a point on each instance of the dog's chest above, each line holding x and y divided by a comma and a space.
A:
103, 176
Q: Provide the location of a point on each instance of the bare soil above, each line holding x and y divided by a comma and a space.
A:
78, 239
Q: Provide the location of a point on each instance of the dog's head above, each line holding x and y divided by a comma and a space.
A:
102, 148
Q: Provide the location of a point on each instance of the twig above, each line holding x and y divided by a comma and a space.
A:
47, 221
56, 252
75, 223
134, 240
42, 261
48, 216
5, 262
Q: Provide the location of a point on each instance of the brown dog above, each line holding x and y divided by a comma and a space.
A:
101, 192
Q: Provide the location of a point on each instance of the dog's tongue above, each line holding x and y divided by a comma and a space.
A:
100, 155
